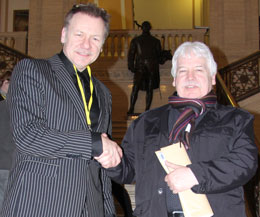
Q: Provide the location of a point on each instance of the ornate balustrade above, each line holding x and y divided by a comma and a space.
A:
242, 78
15, 40
9, 57
118, 42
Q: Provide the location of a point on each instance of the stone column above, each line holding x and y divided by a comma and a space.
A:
45, 25
234, 30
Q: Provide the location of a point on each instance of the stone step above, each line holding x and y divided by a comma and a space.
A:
119, 128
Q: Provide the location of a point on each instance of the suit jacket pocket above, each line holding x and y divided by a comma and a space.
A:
43, 168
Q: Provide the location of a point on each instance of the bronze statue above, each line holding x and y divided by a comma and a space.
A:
145, 55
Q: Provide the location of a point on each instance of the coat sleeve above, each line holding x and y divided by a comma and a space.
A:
27, 102
233, 169
124, 173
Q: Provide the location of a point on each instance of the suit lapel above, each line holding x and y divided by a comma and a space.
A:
66, 81
104, 102
101, 104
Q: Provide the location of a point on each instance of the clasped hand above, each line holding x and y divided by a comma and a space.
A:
180, 178
112, 153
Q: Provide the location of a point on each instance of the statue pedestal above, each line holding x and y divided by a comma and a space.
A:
131, 118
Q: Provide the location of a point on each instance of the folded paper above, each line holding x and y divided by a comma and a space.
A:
193, 205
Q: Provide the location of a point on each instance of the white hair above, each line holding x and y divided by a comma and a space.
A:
199, 49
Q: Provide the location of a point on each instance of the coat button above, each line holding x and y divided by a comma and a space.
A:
160, 191
202, 189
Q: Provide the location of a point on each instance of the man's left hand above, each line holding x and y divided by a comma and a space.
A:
112, 153
180, 179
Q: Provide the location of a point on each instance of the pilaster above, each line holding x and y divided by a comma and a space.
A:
233, 29
45, 22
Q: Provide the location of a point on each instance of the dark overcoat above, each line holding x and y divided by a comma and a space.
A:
223, 155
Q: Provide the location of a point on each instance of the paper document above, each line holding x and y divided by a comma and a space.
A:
193, 205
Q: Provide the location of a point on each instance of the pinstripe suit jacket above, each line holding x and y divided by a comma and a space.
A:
53, 174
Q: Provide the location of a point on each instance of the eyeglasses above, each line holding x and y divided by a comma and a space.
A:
79, 6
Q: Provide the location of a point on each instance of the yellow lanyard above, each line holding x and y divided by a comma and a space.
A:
86, 106
3, 96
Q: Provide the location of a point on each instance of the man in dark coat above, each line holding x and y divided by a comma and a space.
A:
219, 141
143, 60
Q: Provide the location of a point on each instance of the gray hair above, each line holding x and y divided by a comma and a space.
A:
199, 49
91, 10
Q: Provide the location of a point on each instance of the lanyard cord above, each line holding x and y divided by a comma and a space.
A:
3, 96
86, 106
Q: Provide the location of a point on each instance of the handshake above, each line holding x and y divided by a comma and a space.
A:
112, 153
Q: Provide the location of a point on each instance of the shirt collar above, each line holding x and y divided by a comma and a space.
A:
69, 65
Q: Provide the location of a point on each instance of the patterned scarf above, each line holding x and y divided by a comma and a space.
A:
191, 109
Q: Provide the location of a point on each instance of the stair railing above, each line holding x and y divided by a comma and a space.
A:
9, 58
228, 83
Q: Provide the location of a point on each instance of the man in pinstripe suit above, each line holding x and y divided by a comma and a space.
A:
61, 120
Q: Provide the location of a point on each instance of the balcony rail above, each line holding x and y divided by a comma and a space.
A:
15, 40
118, 41
9, 58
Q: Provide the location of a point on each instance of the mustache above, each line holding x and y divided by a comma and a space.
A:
191, 83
